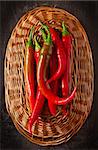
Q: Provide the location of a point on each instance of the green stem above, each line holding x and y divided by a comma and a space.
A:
37, 46
43, 35
30, 35
64, 31
47, 38
29, 42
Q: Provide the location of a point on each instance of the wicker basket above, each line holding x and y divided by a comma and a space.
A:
60, 129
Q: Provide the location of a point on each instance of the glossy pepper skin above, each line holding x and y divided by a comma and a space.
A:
60, 54
29, 71
41, 71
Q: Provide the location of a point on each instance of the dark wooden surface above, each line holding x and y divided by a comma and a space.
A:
87, 13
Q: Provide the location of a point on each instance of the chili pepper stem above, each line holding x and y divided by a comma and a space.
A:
64, 31
37, 46
47, 39
29, 42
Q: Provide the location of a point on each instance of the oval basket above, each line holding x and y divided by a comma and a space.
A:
48, 130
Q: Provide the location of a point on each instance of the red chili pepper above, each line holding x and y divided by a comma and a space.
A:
41, 71
39, 97
37, 50
61, 50
37, 109
67, 40
60, 54
29, 71
54, 84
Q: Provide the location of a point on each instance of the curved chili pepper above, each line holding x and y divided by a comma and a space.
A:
41, 71
39, 97
29, 71
48, 46
60, 54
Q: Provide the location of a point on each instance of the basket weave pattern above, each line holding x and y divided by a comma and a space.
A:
60, 128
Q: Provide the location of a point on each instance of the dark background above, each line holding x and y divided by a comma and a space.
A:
87, 13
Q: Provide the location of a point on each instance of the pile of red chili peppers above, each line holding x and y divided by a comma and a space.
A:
53, 53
